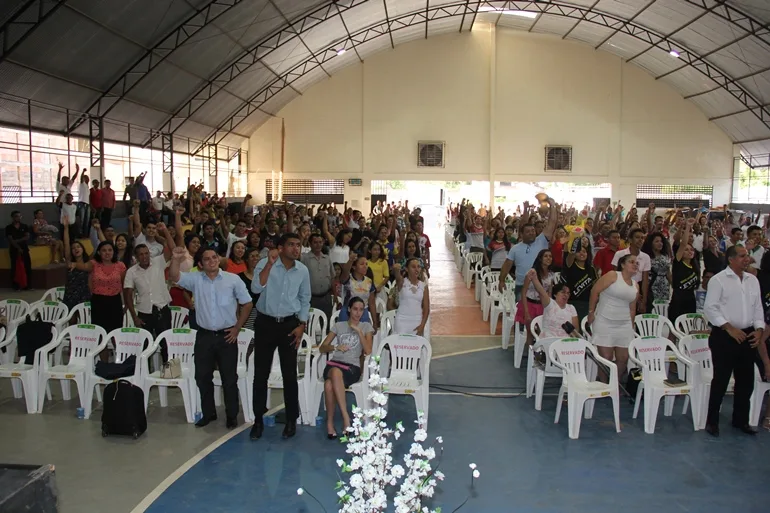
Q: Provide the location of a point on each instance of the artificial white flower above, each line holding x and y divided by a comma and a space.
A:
300, 491
472, 466
439, 440
397, 471
340, 463
476, 474
420, 435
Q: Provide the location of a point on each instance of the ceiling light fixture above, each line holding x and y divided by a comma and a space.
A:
341, 51
674, 54
523, 14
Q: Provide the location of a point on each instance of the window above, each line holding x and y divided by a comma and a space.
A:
308, 191
751, 179
668, 196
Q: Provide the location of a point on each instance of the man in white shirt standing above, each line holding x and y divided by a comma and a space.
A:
734, 309
148, 280
642, 276
753, 245
63, 183
84, 206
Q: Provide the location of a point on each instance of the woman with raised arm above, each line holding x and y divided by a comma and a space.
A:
611, 312
413, 300
579, 275
106, 284
657, 247
353, 340
556, 311
356, 283
76, 289
685, 275
531, 304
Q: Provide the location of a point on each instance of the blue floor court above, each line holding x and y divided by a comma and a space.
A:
527, 463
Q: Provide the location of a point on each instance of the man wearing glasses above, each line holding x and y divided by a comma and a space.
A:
522, 255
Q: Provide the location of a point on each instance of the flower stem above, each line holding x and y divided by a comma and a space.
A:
319, 502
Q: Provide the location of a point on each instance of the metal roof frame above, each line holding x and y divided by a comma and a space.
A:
40, 10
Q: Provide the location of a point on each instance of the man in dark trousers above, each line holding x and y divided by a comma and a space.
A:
17, 234
218, 296
734, 309
283, 283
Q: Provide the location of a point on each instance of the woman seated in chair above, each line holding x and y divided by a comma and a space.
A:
531, 304
343, 369
557, 313
413, 300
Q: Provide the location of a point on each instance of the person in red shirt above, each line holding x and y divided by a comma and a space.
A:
557, 248
603, 259
108, 204
95, 199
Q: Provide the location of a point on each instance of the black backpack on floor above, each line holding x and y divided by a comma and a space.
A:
123, 410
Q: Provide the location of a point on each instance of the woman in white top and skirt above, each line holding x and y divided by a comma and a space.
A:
413, 301
612, 323
556, 311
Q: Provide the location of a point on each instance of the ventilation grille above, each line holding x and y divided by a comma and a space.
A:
430, 153
666, 196
558, 159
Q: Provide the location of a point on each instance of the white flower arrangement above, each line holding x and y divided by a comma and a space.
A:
371, 468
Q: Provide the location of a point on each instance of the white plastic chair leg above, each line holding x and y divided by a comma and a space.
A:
651, 405
638, 399
530, 383
243, 395
755, 406
589, 408
43, 388
539, 386
188, 403
28, 383
98, 390
65, 389
163, 393
80, 384
16, 385
519, 342
217, 395
559, 403
615, 396
574, 411
493, 322
48, 390
668, 405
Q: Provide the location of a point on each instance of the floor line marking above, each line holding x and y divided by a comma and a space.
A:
489, 394
179, 472
467, 351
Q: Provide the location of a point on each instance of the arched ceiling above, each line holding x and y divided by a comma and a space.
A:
215, 70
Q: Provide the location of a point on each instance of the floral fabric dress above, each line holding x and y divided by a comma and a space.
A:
659, 285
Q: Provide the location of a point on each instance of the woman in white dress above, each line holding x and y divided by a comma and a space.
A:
413, 301
556, 311
612, 323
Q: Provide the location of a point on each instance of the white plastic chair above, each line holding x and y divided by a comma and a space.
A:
660, 307
24, 376
685, 324
127, 342
479, 285
652, 325
54, 294
509, 316
649, 353
245, 336
760, 389
536, 381
128, 321
180, 343
569, 354
318, 325
55, 312
80, 313
490, 293
470, 268
520, 339
15, 312
696, 348
314, 385
86, 342
410, 369
180, 317
334, 318
380, 306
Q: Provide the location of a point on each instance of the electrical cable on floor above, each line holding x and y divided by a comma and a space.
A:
519, 391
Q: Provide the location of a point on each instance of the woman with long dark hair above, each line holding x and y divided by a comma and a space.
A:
413, 300
498, 249
579, 275
235, 262
659, 250
125, 250
530, 305
106, 284
76, 289
685, 275
356, 283
252, 258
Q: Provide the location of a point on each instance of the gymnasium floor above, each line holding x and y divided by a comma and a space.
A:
527, 463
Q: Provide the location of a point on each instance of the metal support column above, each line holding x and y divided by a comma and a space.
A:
96, 145
211, 156
167, 146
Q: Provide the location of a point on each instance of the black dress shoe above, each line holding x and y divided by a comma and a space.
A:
232, 422
256, 430
331, 436
712, 429
290, 430
205, 421
746, 429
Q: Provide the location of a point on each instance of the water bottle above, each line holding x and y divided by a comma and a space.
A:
198, 416
81, 413
269, 420
319, 421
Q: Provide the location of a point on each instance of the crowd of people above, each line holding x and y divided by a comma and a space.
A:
609, 263
239, 265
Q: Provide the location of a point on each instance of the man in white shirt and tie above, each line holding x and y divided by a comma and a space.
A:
734, 309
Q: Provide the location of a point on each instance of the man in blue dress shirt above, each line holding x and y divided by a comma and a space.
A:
283, 285
218, 297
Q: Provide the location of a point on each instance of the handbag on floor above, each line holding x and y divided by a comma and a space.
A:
172, 369
123, 412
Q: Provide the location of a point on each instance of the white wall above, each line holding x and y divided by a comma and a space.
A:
497, 97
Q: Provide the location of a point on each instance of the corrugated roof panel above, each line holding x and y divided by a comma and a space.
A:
399, 7
48, 118
742, 58
25, 83
406, 34
665, 16
13, 111
657, 62
374, 45
309, 79
755, 148
758, 86
365, 15
743, 127
250, 23
73, 47
550, 24
620, 8
514, 22
8, 8
134, 113
277, 102
590, 33
441, 26
325, 34
250, 81
689, 80
759, 9
216, 110
624, 45
337, 62
717, 103
194, 130
204, 53
143, 21
286, 56
115, 131
708, 33
294, 9
165, 87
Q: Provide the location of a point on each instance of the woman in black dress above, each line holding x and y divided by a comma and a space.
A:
76, 289
579, 275
685, 276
